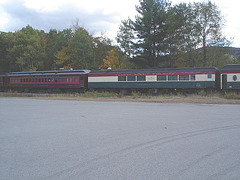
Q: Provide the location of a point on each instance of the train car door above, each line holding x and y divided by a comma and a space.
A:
81, 81
224, 81
5, 81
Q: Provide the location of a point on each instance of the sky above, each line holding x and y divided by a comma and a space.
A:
97, 16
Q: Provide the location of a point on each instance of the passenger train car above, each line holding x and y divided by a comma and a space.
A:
182, 79
50, 80
230, 77
2, 81
168, 78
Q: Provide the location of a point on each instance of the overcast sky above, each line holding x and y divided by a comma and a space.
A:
95, 15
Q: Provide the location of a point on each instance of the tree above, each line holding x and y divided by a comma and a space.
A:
169, 36
6, 42
182, 35
210, 23
144, 40
26, 51
101, 45
112, 61
78, 53
125, 37
150, 29
63, 57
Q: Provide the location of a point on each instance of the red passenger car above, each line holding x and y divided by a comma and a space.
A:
2, 79
53, 81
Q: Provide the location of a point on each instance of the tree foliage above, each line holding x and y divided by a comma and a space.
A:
26, 51
112, 61
150, 30
78, 53
29, 49
161, 35
165, 35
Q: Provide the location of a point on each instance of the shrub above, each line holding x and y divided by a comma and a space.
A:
231, 95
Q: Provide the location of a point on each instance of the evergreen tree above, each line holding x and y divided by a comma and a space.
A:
150, 30
125, 37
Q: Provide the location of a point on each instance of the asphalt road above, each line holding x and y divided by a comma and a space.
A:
47, 139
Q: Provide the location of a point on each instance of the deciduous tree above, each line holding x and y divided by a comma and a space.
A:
27, 51
112, 60
209, 20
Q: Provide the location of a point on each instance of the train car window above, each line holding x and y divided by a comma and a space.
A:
30, 80
56, 80
26, 80
75, 80
70, 79
131, 78
192, 77
66, 79
172, 77
49, 80
234, 77
184, 77
209, 76
141, 78
122, 78
62, 79
161, 77
45, 79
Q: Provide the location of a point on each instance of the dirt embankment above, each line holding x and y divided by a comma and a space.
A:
195, 99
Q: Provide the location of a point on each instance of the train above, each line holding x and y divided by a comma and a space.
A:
123, 81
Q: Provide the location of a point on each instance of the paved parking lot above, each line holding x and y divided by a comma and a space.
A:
47, 139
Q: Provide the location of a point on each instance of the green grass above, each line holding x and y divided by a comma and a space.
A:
231, 95
133, 95
99, 94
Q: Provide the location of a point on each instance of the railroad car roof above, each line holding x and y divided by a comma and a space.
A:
45, 73
231, 67
135, 71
